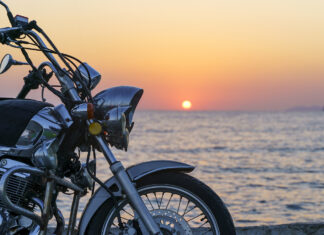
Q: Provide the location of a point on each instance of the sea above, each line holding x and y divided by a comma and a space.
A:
268, 167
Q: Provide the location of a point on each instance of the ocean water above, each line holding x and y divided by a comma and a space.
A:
268, 167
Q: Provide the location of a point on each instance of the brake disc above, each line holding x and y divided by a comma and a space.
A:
171, 223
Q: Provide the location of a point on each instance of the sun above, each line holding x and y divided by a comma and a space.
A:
186, 104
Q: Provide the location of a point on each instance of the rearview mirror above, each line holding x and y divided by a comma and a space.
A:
6, 63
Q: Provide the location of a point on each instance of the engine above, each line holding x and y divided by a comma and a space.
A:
19, 187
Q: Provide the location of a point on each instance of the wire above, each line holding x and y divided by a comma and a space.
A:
106, 188
95, 169
64, 61
53, 90
66, 56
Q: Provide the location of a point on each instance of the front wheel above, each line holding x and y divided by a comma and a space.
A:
179, 203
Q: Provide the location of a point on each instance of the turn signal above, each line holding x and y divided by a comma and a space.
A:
90, 111
95, 128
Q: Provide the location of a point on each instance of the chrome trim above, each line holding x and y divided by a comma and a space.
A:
66, 183
6, 164
45, 155
43, 45
65, 81
125, 98
32, 170
63, 115
135, 172
186, 193
47, 206
5, 199
110, 157
80, 111
135, 200
51, 128
35, 230
94, 76
39, 203
60, 222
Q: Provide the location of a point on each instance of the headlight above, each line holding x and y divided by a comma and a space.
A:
115, 126
90, 75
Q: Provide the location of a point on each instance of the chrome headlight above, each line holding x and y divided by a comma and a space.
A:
116, 127
89, 75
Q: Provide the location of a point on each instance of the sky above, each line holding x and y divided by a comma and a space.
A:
220, 55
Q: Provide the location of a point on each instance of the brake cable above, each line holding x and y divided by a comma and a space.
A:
120, 224
66, 56
40, 30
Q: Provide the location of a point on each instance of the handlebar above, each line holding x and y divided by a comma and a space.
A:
24, 92
9, 33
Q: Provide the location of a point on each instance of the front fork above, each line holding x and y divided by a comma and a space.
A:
128, 188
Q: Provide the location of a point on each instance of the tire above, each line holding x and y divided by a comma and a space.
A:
189, 189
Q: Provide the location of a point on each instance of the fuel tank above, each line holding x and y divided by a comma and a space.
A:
15, 116
32, 129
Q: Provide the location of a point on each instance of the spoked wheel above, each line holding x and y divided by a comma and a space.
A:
179, 203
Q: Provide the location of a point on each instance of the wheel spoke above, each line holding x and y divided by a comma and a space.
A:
195, 217
169, 201
127, 212
184, 212
156, 200
190, 210
171, 208
161, 200
203, 224
179, 204
149, 201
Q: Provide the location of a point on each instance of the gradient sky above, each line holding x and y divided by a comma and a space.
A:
220, 55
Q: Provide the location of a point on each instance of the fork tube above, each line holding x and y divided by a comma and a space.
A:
128, 188
106, 150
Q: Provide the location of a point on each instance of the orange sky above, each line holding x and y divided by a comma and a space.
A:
220, 55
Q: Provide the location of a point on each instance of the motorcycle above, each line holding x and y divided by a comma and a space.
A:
40, 149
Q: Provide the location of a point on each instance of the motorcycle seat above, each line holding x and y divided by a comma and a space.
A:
14, 117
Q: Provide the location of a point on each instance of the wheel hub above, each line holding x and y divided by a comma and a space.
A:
171, 223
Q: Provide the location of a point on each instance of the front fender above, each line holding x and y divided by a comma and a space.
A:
135, 172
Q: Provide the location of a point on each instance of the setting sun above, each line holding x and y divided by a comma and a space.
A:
186, 104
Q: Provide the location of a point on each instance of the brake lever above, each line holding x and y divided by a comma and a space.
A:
47, 76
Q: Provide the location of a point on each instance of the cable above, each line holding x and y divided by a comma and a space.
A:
120, 224
53, 90
66, 56
63, 59
29, 61
95, 168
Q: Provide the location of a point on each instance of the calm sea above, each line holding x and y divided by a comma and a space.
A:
268, 167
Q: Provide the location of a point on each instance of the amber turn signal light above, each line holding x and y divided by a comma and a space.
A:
90, 111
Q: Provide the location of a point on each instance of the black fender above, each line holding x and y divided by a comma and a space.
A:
135, 173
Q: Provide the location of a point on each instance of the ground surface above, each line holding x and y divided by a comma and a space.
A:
284, 229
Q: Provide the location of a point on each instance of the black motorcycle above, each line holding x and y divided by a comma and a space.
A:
40, 149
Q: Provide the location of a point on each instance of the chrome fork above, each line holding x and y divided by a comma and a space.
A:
128, 188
